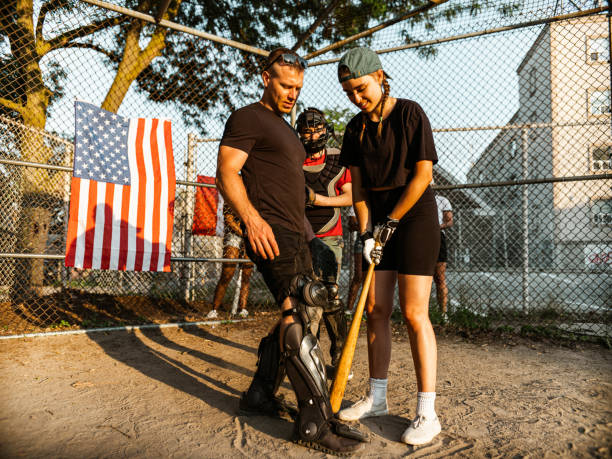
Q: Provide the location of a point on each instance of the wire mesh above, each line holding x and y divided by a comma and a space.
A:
518, 94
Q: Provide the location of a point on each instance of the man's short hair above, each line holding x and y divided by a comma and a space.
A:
274, 55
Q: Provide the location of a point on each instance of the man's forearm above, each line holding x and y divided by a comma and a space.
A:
343, 200
234, 192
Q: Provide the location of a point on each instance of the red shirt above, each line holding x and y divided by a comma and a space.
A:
346, 178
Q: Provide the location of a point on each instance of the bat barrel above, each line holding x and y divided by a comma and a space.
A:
346, 358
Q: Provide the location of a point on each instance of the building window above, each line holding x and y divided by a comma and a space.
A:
601, 212
598, 49
599, 102
532, 81
601, 158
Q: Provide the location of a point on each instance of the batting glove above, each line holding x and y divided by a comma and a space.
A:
382, 233
369, 248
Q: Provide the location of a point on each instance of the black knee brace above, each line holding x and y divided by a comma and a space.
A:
311, 298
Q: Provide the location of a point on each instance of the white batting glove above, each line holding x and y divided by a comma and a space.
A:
371, 253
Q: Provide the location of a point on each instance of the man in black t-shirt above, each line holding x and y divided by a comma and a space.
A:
269, 198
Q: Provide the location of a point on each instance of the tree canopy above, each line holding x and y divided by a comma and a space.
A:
170, 66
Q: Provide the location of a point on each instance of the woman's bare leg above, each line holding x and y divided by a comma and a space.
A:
414, 301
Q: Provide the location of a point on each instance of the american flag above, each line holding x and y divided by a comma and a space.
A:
122, 192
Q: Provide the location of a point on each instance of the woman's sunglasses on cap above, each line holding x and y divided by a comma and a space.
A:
288, 59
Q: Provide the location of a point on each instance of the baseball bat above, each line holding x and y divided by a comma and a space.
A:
346, 358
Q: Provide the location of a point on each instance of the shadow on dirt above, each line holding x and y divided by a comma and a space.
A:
198, 381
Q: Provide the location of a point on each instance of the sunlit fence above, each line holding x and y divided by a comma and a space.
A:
520, 105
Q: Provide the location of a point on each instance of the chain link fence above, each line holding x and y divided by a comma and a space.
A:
518, 94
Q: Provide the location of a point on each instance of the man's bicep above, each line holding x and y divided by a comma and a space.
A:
347, 188
230, 159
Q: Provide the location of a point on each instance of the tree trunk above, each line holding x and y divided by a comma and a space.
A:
38, 195
133, 61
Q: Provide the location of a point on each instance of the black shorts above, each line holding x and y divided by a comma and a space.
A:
294, 258
414, 246
443, 254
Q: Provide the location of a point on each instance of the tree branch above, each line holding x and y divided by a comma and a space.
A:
306, 35
11, 105
46, 8
112, 56
62, 40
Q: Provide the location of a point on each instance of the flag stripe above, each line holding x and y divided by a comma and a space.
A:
147, 194
131, 246
99, 213
90, 223
141, 195
108, 226
157, 186
125, 217
170, 189
81, 216
115, 244
71, 237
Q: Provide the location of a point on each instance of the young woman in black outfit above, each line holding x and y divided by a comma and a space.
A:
390, 151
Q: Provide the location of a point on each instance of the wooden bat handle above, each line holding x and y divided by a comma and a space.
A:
346, 359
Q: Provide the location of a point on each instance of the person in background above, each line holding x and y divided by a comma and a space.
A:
329, 188
233, 247
445, 218
390, 150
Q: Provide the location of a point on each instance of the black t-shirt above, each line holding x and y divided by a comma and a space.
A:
406, 138
272, 173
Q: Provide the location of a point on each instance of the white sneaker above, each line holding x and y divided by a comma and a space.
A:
213, 314
364, 408
243, 313
421, 430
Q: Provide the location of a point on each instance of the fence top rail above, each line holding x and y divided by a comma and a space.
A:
420, 44
176, 26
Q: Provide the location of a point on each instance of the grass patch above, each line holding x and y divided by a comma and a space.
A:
465, 318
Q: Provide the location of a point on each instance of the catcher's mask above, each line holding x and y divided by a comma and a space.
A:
313, 121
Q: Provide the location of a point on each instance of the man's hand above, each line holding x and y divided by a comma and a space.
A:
261, 238
311, 196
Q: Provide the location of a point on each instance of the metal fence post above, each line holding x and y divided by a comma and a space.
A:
525, 212
68, 157
188, 268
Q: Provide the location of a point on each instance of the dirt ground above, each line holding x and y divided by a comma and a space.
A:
174, 393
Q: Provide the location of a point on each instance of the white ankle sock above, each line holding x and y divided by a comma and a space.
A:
425, 404
378, 390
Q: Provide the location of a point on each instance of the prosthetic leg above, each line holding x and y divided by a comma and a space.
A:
315, 426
